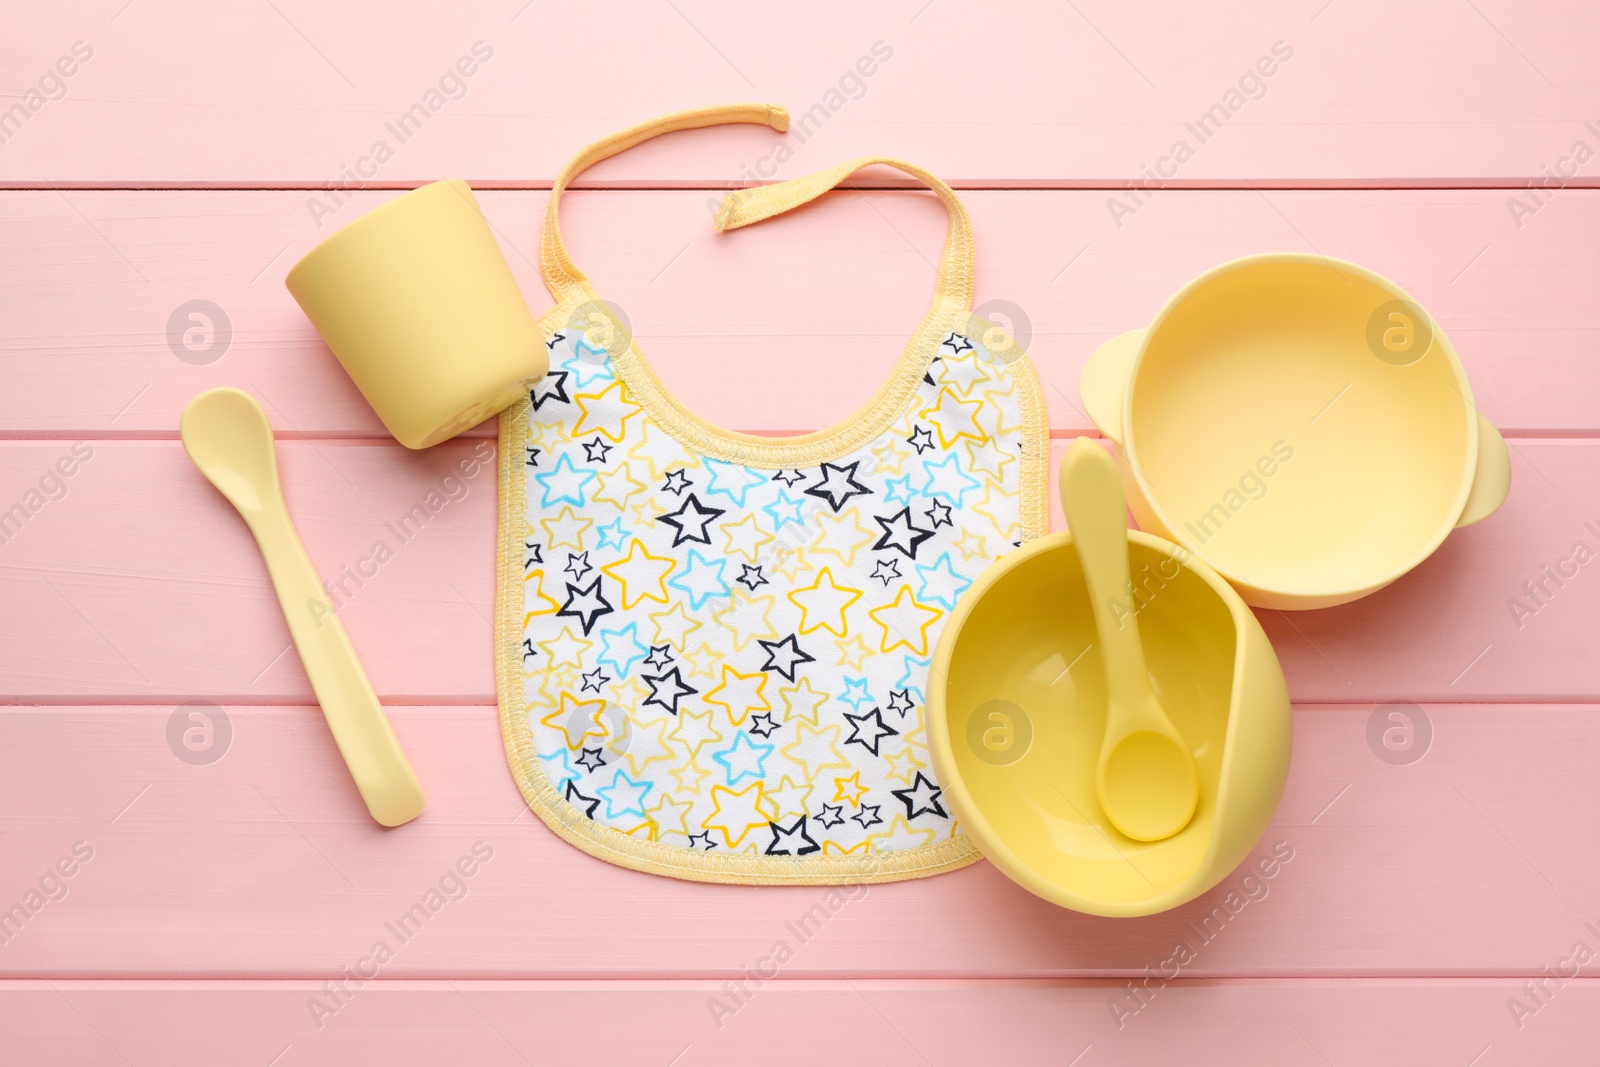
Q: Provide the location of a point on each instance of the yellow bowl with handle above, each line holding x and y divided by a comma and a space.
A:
1017, 707
1300, 424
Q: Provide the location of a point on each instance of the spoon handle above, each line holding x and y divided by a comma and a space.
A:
360, 728
1091, 498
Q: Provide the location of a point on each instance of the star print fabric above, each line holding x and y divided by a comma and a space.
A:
729, 659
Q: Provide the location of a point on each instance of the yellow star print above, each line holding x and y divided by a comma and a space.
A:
695, 730
566, 528
737, 813
673, 626
955, 418
841, 536
669, 814
617, 487
573, 714
746, 618
745, 538
905, 622
566, 648
536, 594
740, 694
822, 604
605, 414
801, 702
806, 750
849, 789
641, 575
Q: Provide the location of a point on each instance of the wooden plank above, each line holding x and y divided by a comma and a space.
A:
141, 583
91, 283
1477, 860
1372, 1021
1019, 93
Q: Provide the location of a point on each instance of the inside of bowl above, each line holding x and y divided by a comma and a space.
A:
1026, 654
1284, 438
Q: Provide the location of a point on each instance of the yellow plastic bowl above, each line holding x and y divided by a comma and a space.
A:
1301, 425
1016, 710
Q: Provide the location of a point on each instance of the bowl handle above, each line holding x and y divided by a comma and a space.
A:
1492, 479
1104, 383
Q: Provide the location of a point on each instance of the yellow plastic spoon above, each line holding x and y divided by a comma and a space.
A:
227, 435
1145, 776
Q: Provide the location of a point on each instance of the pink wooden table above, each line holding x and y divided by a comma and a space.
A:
156, 152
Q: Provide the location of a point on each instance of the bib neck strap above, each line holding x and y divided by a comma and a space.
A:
560, 274
953, 288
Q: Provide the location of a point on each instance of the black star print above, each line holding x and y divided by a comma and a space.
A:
593, 680
591, 760
586, 605
555, 388
784, 656
921, 798
867, 816
956, 344
578, 565
535, 553
788, 477
832, 815
595, 451
900, 535
791, 841
867, 730
900, 702
837, 485
676, 482
920, 439
533, 456
927, 379
939, 514
886, 571
551, 344
660, 657
751, 577
762, 725
578, 800
702, 841
667, 690
690, 521
528, 649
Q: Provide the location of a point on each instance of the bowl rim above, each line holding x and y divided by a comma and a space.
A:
971, 817
1312, 590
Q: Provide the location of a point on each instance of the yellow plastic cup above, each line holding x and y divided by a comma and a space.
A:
1017, 712
1301, 425
418, 304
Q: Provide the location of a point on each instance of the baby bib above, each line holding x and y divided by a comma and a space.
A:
714, 646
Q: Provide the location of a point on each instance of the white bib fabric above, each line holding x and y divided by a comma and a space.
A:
714, 646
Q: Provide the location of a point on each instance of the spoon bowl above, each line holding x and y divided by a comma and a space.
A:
227, 435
